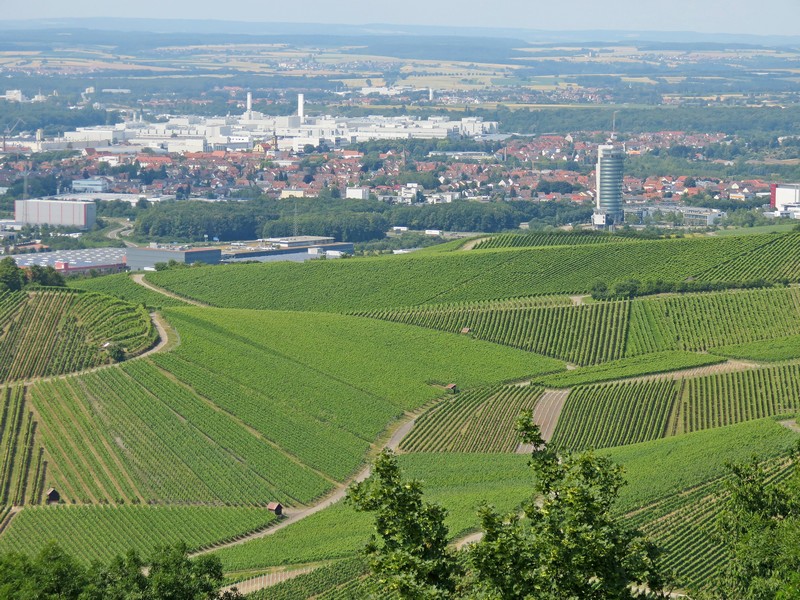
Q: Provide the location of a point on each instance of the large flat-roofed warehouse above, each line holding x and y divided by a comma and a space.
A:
59, 213
69, 262
140, 259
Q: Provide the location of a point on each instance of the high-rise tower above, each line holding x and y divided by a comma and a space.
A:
608, 207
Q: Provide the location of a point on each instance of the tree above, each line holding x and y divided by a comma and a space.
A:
759, 528
411, 558
12, 278
566, 544
573, 545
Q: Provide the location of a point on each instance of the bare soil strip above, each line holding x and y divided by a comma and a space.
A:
139, 278
545, 415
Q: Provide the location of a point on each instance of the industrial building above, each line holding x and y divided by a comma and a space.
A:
610, 168
785, 196
145, 259
58, 213
70, 262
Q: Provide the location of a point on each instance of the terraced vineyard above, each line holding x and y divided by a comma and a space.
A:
56, 331
22, 468
535, 240
586, 334
616, 414
103, 532
698, 322
477, 421
724, 399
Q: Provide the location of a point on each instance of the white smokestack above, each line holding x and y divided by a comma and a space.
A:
249, 101
301, 109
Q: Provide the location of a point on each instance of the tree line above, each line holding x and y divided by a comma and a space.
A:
345, 220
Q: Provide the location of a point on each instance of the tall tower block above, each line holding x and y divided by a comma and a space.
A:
610, 169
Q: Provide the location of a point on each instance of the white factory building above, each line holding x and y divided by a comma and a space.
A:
59, 213
243, 132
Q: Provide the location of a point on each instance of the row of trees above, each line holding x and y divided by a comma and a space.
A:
346, 220
54, 574
13, 279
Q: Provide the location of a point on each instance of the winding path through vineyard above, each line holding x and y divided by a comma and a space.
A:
139, 278
293, 516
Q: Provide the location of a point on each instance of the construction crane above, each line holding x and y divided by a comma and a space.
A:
10, 130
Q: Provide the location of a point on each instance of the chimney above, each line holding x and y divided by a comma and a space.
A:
249, 101
301, 109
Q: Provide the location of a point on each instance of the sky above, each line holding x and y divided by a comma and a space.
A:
762, 17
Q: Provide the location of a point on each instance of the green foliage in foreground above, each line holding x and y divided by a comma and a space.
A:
657, 362
759, 527
774, 350
101, 532
53, 573
570, 545
122, 286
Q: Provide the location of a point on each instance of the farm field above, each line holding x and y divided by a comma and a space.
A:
587, 334
235, 439
644, 364
481, 420
22, 467
615, 414
772, 350
536, 240
380, 283
57, 331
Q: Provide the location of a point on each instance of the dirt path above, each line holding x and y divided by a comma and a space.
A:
293, 516
472, 243
139, 278
545, 415
578, 300
730, 366
11, 512
791, 424
248, 586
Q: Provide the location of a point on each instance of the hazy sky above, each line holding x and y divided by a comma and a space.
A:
778, 17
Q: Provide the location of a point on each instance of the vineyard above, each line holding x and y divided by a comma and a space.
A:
53, 332
772, 350
22, 469
379, 283
616, 414
697, 322
724, 399
645, 364
123, 287
586, 334
481, 420
103, 532
773, 261
251, 405
535, 240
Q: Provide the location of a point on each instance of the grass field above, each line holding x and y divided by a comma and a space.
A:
122, 286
